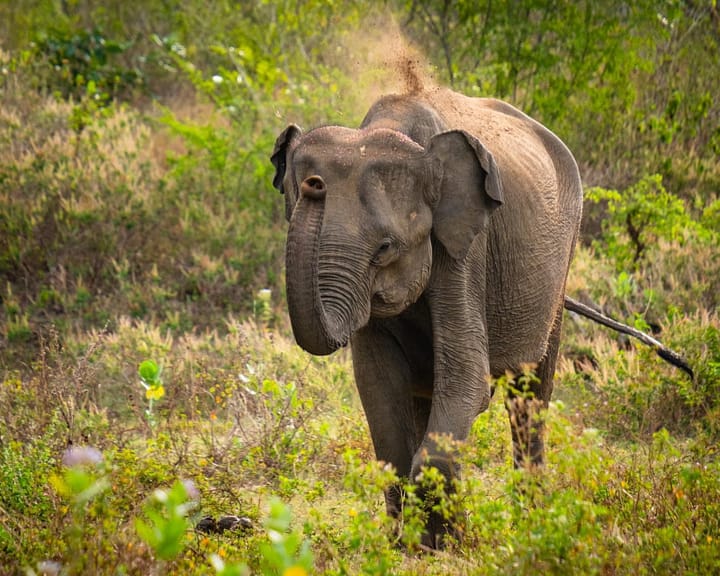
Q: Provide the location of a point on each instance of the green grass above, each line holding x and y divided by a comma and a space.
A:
262, 429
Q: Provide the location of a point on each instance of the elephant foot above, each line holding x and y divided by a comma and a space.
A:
430, 500
394, 501
440, 532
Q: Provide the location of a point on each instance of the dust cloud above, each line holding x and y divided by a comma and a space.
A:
383, 61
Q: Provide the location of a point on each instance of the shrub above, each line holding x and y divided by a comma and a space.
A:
82, 62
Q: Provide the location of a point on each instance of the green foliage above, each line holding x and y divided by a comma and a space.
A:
551, 59
23, 494
617, 81
657, 247
610, 496
167, 520
287, 552
83, 62
370, 531
83, 484
150, 375
79, 482
643, 215
139, 229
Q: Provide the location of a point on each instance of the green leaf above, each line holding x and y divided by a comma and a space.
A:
149, 372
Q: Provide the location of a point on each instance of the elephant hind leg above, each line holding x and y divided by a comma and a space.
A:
526, 424
527, 429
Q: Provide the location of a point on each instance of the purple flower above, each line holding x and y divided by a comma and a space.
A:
49, 568
191, 489
82, 456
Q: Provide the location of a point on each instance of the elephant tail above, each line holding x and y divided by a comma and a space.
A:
661, 350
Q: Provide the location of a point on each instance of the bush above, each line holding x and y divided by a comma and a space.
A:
81, 63
661, 253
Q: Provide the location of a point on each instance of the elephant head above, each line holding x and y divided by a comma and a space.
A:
367, 210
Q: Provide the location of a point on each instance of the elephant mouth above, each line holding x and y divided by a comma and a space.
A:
382, 306
393, 299
379, 308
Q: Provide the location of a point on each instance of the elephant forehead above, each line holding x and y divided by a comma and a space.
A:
348, 145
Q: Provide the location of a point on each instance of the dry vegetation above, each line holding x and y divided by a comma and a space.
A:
139, 231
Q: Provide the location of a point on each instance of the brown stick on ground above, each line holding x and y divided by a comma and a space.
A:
661, 350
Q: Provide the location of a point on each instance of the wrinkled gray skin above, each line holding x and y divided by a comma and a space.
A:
435, 239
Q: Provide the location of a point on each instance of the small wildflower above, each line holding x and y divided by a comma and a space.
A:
217, 562
191, 489
295, 571
155, 392
49, 567
81, 456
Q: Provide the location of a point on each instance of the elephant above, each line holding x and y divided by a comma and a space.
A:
434, 239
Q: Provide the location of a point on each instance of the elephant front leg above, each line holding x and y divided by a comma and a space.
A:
461, 391
387, 378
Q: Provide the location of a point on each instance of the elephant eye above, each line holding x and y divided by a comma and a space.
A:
385, 253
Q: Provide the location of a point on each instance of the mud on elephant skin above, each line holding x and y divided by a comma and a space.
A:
436, 240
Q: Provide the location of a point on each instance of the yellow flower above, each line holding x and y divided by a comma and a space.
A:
155, 392
295, 571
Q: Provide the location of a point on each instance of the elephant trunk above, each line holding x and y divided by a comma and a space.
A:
319, 303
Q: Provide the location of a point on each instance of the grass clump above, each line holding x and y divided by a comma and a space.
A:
278, 438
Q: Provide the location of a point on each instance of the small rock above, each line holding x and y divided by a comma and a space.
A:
234, 523
209, 525
206, 525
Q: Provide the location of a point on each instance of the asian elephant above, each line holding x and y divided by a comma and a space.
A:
436, 240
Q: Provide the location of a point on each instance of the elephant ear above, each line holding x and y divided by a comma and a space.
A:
468, 188
282, 152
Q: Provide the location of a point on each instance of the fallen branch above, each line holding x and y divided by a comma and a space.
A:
661, 350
